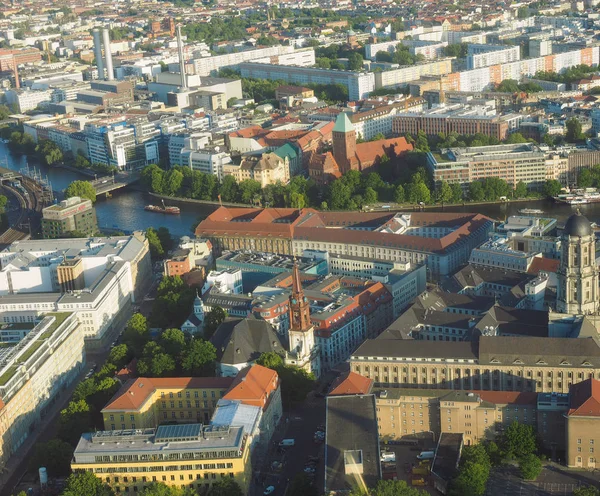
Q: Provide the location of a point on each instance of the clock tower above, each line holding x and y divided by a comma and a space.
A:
303, 350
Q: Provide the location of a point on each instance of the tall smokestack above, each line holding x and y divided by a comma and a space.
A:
98, 52
107, 55
16, 73
181, 61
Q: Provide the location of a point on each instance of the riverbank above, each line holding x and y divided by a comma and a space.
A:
193, 201
85, 172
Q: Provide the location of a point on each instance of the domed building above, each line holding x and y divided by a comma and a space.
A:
577, 291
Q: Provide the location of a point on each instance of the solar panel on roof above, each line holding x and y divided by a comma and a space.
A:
183, 432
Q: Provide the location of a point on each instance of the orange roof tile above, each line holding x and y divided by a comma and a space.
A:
253, 386
350, 383
135, 392
585, 399
508, 397
543, 264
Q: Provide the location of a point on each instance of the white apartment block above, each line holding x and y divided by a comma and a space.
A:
302, 58
486, 55
359, 84
33, 373
110, 273
338, 346
429, 49
26, 99
228, 281
207, 65
406, 74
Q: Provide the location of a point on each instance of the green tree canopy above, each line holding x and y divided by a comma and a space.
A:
521, 190
136, 333
530, 466
74, 420
574, 130
212, 320
172, 341
552, 188
86, 484
518, 440
55, 455
119, 356
226, 487
474, 471
83, 189
302, 485
199, 358
270, 360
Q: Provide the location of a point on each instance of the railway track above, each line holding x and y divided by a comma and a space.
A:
28, 204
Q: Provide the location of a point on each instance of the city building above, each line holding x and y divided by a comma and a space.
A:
240, 342
268, 168
495, 363
485, 55
359, 84
71, 215
351, 155
98, 279
227, 281
212, 453
352, 457
33, 373
258, 268
146, 402
583, 424
416, 238
513, 163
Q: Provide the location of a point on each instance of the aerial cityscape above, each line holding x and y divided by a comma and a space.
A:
299, 249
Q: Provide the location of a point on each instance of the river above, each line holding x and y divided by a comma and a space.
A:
125, 209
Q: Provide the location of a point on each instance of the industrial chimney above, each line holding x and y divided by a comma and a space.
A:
108, 56
181, 60
98, 52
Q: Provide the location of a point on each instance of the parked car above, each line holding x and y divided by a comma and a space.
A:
269, 490
310, 470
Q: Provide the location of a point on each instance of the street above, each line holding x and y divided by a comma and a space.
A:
300, 424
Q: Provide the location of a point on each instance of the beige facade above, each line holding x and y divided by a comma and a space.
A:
583, 441
268, 169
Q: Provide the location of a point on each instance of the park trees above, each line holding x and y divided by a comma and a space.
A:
82, 189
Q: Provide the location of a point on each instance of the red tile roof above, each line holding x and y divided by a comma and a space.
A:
350, 383
508, 397
543, 264
135, 392
253, 386
585, 399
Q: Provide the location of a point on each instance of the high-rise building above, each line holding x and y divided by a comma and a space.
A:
577, 272
71, 215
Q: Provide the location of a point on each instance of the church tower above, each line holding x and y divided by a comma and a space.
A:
344, 142
303, 349
577, 273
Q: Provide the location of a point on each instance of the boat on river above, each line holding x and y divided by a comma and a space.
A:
580, 197
163, 209
531, 211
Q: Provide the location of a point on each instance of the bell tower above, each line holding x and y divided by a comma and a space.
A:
577, 273
303, 349
344, 142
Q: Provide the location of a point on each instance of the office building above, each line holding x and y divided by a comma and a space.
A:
417, 237
193, 455
148, 402
33, 373
583, 424
512, 163
73, 214
359, 84
486, 55
39, 276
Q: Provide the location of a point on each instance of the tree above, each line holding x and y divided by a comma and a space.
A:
226, 487
165, 238
421, 142
55, 455
119, 356
160, 489
270, 360
473, 474
155, 362
212, 320
552, 188
530, 467
457, 193
3, 202
508, 86
136, 333
395, 488
586, 491
199, 357
399, 196
418, 193
521, 190
74, 420
585, 178
302, 485
476, 192
574, 132
229, 189
172, 182
444, 193
83, 189
370, 196
86, 484
172, 341
249, 189
355, 61
518, 440
156, 249
515, 138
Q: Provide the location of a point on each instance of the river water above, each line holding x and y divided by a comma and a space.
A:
125, 209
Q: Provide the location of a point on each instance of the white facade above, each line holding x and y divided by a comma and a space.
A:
225, 281
207, 65
26, 100
491, 55
342, 342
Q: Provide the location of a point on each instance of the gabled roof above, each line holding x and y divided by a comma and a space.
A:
135, 392
253, 386
351, 383
585, 399
241, 341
